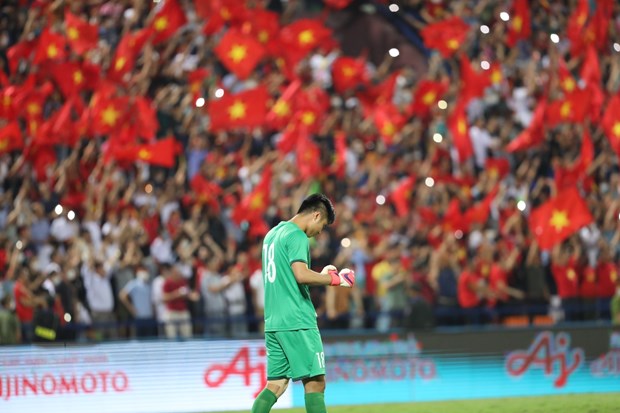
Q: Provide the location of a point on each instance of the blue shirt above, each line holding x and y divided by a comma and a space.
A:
140, 294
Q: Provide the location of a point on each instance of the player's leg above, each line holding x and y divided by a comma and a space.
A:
304, 350
314, 396
278, 373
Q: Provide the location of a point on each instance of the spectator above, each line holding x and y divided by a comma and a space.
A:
100, 297
212, 287
136, 297
176, 293
10, 328
392, 296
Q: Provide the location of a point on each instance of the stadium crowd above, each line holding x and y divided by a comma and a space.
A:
146, 218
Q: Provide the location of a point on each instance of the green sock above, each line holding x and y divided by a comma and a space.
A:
315, 403
264, 402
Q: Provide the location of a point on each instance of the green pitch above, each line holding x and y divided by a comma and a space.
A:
572, 403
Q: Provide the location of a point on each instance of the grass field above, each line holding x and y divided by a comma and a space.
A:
574, 403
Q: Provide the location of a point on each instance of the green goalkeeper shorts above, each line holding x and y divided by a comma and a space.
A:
296, 354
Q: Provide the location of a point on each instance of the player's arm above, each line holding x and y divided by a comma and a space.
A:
328, 276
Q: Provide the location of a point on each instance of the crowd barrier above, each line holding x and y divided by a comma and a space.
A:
213, 375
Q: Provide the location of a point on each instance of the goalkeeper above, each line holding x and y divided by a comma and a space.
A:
292, 338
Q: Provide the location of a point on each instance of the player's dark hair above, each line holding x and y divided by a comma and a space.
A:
318, 202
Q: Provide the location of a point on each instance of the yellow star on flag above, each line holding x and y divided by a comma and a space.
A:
308, 118
581, 19
194, 87
238, 52
144, 154
388, 129
493, 173
616, 129
52, 51
33, 109
461, 126
73, 33
429, 98
33, 125
569, 84
257, 201
559, 220
237, 110
4, 144
591, 276
161, 23
517, 23
263, 36
570, 274
565, 109
120, 63
110, 116
453, 44
6, 100
78, 77
613, 275
348, 71
306, 37
225, 13
496, 76
281, 108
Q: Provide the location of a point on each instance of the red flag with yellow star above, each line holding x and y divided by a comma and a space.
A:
426, 96
533, 135
81, 35
340, 154
8, 108
239, 53
304, 35
219, 13
567, 82
348, 73
401, 195
161, 153
126, 51
459, 129
253, 205
205, 191
446, 36
246, 109
108, 115
559, 218
574, 108
473, 82
20, 51
590, 68
69, 77
520, 24
145, 118
611, 123
167, 21
497, 168
11, 138
51, 46
308, 157
281, 111
388, 121
195, 79
264, 26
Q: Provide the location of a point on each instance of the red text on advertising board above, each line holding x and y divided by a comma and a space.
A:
547, 353
240, 365
49, 384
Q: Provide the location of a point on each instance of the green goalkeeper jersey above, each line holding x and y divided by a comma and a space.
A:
287, 304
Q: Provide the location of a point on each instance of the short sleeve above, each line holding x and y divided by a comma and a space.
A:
129, 286
297, 247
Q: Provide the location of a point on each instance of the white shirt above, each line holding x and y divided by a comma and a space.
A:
98, 290
258, 286
157, 297
481, 140
62, 229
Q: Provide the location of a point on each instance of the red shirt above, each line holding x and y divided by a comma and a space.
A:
498, 278
589, 286
171, 285
466, 293
24, 312
607, 275
566, 279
